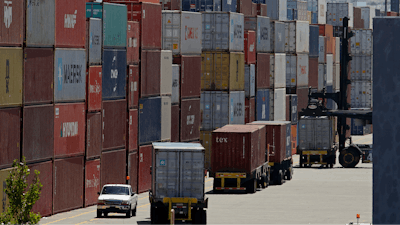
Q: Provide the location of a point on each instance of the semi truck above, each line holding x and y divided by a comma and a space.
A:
177, 182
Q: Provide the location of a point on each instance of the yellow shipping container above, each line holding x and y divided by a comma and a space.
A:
4, 199
205, 140
11, 71
309, 17
222, 71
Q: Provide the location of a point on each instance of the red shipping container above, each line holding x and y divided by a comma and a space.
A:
150, 74
294, 139
145, 162
241, 146
113, 167
44, 205
133, 86
94, 95
190, 120
302, 98
129, 1
93, 135
133, 130
358, 22
10, 136
68, 183
190, 78
114, 124
327, 31
261, 9
392, 14
38, 76
133, 41
149, 17
171, 4
38, 133
253, 9
250, 110
92, 182
175, 123
70, 24
12, 26
313, 72
245, 7
69, 129
132, 170
263, 67
250, 47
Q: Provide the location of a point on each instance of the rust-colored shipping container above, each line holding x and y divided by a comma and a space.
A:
93, 135
250, 110
392, 14
10, 136
245, 7
92, 182
190, 78
263, 66
44, 205
302, 98
242, 148
133, 130
250, 47
133, 41
294, 138
171, 4
145, 162
38, 132
129, 1
261, 9
327, 31
12, 32
150, 74
114, 124
313, 72
38, 76
358, 22
94, 83
253, 9
149, 17
70, 24
69, 129
68, 183
133, 86
132, 170
175, 123
190, 120
113, 167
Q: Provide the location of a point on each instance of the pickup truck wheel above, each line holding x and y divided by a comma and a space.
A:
99, 213
129, 213
279, 178
134, 211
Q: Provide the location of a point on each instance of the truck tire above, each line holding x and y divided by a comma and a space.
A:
99, 214
134, 211
349, 158
251, 186
203, 216
105, 214
129, 213
279, 178
289, 173
264, 182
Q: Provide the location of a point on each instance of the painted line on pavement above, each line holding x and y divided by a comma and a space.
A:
71, 217
86, 221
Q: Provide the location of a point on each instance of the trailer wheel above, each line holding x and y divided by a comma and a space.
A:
252, 186
279, 178
203, 216
264, 182
289, 173
349, 158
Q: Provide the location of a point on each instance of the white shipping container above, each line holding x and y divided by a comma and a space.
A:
361, 42
297, 37
291, 74
302, 70
277, 9
321, 11
175, 83
166, 72
367, 13
337, 51
361, 68
278, 105
336, 77
329, 69
361, 94
337, 11
321, 76
321, 51
181, 32
166, 118
278, 70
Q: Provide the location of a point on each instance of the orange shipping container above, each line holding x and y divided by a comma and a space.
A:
327, 31
294, 139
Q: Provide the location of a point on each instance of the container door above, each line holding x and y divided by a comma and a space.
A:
192, 174
167, 173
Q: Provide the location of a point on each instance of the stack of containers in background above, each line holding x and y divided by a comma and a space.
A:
222, 73
335, 14
317, 9
277, 9
297, 10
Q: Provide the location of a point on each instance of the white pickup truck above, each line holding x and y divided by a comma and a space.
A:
117, 198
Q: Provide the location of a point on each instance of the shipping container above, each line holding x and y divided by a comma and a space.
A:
94, 10
94, 89
314, 41
337, 11
322, 49
206, 110
114, 74
133, 86
133, 170
367, 13
336, 77
290, 14
313, 72
263, 71
227, 36
277, 106
68, 181
244, 7
277, 34
253, 9
144, 171
132, 140
322, 15
314, 18
190, 120
321, 76
300, 7
278, 70
358, 22
297, 37
326, 30
133, 42
302, 70
277, 9
261, 25
361, 68
250, 110
190, 76
40, 23
181, 32
12, 29
175, 123
302, 98
222, 71
315, 133
93, 41
38, 132
329, 69
10, 136
171, 4
114, 124
70, 23
154, 119
263, 104
3, 196
261, 9
249, 47
361, 43
175, 96
69, 75
113, 167
150, 73
225, 5
44, 205
166, 72
206, 141
250, 80
114, 26
361, 94
92, 182
93, 135
291, 112
11, 74
291, 70
294, 138
338, 46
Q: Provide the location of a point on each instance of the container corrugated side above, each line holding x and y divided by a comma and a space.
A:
277, 9
190, 120
250, 80
11, 74
166, 72
93, 135
361, 94
278, 70
313, 72
114, 124
250, 110
175, 84
314, 41
321, 4
263, 70
94, 93
291, 68
322, 50
133, 86
133, 170
113, 167
92, 182
114, 25
44, 205
12, 28
144, 167
40, 24
277, 35
302, 70
263, 104
361, 43
249, 47
361, 68
150, 73
114, 74
133, 43
132, 140
94, 41
10, 136
190, 77
278, 105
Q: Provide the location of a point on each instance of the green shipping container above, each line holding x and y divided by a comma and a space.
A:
11, 70
114, 25
94, 10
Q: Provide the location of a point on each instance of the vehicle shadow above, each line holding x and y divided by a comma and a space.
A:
144, 222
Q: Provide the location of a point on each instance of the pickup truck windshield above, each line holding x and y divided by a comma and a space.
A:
114, 190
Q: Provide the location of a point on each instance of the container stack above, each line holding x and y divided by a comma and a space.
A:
297, 10
335, 14
317, 9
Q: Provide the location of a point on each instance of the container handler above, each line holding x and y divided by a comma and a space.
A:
178, 183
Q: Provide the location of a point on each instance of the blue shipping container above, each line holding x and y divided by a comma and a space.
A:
149, 120
228, 6
290, 14
293, 108
94, 10
114, 74
262, 104
314, 41
295, 14
259, 1
190, 5
314, 18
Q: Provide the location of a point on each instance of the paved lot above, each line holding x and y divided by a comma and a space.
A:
314, 195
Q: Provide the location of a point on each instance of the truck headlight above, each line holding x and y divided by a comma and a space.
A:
125, 203
100, 202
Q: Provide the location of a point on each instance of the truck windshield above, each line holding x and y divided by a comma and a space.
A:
115, 190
